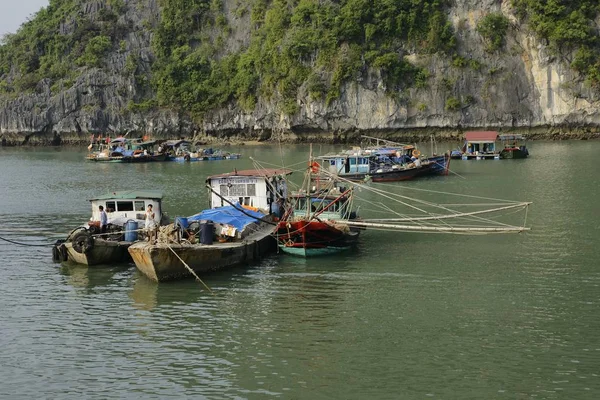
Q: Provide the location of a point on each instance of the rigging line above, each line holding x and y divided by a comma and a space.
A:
453, 215
277, 165
450, 193
407, 217
379, 191
26, 244
391, 195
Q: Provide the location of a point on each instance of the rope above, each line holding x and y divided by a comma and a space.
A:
26, 244
190, 269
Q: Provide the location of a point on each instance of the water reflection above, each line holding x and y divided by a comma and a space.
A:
82, 276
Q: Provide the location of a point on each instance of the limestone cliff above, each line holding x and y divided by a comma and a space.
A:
520, 87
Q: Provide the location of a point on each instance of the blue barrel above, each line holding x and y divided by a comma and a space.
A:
182, 222
131, 228
207, 231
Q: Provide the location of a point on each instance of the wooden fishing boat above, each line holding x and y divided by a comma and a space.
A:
184, 151
512, 148
384, 165
126, 215
236, 229
307, 230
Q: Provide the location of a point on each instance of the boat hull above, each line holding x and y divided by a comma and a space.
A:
314, 238
159, 263
514, 153
205, 158
490, 156
434, 166
103, 252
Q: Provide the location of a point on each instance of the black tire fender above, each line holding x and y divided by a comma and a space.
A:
64, 254
82, 242
55, 255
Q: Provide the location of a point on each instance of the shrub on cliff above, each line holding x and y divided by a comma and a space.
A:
493, 29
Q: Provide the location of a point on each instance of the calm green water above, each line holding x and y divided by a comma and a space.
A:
405, 316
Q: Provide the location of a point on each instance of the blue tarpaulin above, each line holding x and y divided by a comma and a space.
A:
228, 215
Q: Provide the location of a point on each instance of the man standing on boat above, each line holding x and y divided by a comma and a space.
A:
103, 219
150, 224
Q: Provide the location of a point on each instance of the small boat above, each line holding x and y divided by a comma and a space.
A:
512, 148
384, 164
126, 214
114, 150
143, 152
123, 150
183, 150
236, 229
308, 228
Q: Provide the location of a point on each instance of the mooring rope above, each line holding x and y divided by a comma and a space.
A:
190, 269
26, 244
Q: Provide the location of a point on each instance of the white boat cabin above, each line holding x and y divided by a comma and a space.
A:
346, 164
123, 206
258, 189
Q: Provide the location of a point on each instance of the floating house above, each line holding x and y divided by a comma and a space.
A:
480, 145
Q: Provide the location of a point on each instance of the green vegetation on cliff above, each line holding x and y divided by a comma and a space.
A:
56, 39
568, 26
294, 45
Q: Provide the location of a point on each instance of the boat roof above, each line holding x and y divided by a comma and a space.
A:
266, 172
176, 142
508, 136
130, 195
481, 136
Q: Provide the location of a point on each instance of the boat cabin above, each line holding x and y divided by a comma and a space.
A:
328, 206
127, 205
511, 140
258, 189
176, 147
480, 145
346, 164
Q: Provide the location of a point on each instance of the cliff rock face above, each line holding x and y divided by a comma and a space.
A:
521, 87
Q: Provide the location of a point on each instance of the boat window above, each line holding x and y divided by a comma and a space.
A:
251, 189
237, 190
300, 204
139, 206
124, 205
110, 206
353, 161
224, 190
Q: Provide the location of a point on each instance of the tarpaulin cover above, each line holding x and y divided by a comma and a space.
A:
228, 215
